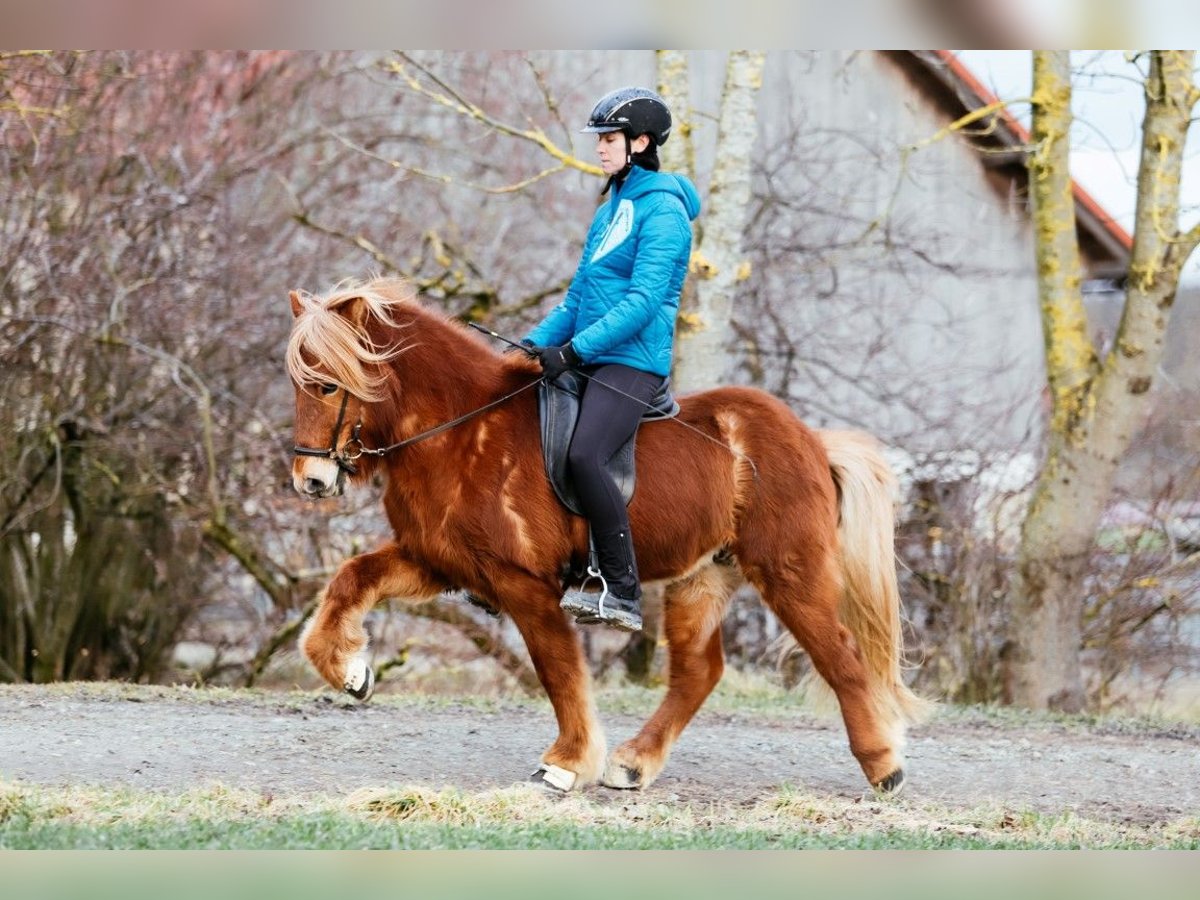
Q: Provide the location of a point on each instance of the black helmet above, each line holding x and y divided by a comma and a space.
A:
632, 110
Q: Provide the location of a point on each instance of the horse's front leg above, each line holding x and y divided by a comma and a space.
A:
576, 758
334, 637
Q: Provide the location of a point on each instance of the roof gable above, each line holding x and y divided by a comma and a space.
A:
1003, 144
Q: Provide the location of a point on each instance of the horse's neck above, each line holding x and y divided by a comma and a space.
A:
441, 375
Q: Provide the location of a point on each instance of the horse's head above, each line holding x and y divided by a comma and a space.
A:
328, 418
336, 362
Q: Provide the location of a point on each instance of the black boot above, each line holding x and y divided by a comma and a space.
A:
619, 601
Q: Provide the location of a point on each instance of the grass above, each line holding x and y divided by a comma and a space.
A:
217, 817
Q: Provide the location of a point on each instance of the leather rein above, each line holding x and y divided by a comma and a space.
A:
353, 449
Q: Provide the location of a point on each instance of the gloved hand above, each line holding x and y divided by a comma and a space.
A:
556, 360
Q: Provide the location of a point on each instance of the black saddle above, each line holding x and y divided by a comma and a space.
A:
558, 407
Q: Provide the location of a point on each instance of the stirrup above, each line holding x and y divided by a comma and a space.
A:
588, 608
579, 602
593, 572
614, 617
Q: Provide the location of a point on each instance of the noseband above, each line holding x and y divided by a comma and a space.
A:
350, 451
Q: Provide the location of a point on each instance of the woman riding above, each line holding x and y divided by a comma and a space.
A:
617, 326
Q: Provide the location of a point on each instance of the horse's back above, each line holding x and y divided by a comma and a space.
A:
759, 427
736, 462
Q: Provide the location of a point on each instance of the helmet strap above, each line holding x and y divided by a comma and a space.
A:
619, 177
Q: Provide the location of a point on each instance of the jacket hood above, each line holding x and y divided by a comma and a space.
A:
641, 181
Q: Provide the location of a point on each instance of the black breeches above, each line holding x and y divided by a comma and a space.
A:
606, 420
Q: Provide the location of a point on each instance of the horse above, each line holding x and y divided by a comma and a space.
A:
735, 488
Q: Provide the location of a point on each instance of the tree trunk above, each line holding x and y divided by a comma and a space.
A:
705, 317
1096, 405
674, 85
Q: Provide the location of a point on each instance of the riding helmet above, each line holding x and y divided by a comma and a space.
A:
633, 110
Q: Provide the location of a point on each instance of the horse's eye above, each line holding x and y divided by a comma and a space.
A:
329, 388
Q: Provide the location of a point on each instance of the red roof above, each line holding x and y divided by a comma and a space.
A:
986, 97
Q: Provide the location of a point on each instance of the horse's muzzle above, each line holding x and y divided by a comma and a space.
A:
317, 479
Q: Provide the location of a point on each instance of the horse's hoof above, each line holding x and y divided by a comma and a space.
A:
553, 778
622, 777
892, 785
360, 679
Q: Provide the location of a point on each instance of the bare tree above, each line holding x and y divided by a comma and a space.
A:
1096, 402
718, 261
142, 410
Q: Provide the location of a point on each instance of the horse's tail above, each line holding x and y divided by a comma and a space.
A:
870, 606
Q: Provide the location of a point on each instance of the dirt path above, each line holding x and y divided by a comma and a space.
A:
165, 739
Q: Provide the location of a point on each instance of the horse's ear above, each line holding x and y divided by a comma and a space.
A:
294, 296
356, 311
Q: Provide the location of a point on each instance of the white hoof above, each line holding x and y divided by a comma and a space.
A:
360, 680
554, 777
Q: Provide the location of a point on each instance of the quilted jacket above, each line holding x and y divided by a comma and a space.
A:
622, 302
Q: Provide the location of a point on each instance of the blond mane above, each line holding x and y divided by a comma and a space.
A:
330, 332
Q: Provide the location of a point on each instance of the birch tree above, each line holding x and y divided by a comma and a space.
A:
705, 330
675, 86
1096, 402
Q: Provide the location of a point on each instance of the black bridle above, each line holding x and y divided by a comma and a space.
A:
344, 458
353, 449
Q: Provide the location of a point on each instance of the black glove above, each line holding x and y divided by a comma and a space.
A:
556, 360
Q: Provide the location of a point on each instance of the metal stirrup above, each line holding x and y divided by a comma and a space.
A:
593, 571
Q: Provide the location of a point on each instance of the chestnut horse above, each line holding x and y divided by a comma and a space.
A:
735, 489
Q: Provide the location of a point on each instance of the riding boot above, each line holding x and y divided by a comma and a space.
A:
619, 601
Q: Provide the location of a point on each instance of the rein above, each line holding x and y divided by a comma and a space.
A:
737, 454
354, 448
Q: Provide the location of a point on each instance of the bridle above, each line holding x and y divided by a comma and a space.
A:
345, 457
350, 452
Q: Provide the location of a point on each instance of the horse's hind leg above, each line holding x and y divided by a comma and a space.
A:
808, 608
577, 756
334, 636
694, 608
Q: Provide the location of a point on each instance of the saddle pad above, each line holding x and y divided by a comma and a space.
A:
558, 408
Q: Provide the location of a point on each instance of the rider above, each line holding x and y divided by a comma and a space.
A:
617, 325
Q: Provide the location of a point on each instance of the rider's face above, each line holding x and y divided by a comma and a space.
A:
610, 146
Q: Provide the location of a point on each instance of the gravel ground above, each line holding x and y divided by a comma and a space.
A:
169, 739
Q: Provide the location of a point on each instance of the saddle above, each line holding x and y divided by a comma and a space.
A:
558, 408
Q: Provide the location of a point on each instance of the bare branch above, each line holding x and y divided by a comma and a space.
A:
1071, 360
446, 179
301, 217
963, 121
452, 99
282, 636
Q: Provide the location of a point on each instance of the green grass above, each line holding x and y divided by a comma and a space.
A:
216, 816
332, 832
524, 818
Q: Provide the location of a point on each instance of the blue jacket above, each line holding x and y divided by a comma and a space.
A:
622, 302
